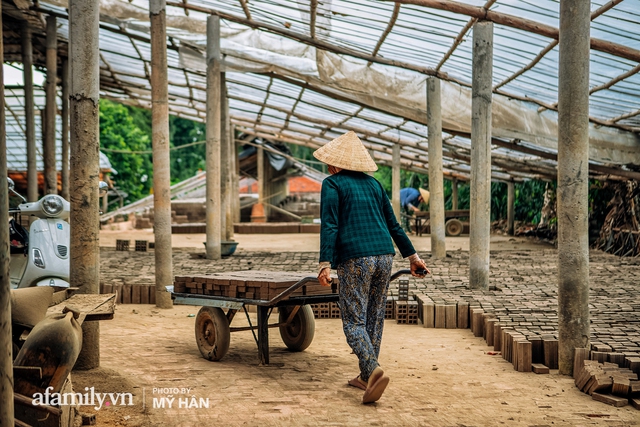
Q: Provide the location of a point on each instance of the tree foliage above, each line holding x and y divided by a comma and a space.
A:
127, 128
118, 131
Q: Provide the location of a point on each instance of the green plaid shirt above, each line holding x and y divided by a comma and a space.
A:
357, 219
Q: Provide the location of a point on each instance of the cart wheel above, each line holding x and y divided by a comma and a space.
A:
298, 334
453, 227
212, 333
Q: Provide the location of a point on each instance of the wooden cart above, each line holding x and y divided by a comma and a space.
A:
453, 226
295, 317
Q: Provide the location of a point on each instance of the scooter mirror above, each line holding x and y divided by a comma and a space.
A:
103, 188
11, 184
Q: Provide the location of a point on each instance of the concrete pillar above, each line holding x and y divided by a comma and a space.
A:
395, 181
436, 184
454, 194
85, 164
65, 129
161, 155
226, 162
511, 207
214, 202
480, 221
6, 346
29, 114
573, 181
49, 147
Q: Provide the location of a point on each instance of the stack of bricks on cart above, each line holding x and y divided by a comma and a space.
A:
249, 284
609, 382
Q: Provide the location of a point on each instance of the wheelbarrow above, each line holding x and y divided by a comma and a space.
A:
296, 321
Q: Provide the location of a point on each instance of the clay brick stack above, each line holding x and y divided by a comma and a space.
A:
250, 284
608, 382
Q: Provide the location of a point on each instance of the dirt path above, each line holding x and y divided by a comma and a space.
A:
439, 377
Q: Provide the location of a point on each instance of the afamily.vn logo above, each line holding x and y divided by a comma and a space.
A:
91, 398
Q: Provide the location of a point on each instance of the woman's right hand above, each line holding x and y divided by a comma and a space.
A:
417, 265
324, 277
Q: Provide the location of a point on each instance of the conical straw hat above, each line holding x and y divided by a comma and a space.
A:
346, 152
425, 195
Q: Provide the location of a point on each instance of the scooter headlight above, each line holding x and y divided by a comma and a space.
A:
52, 205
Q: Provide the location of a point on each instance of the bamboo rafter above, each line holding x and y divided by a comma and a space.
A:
245, 8
461, 35
313, 11
387, 31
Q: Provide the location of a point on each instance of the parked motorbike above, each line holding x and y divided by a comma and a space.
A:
40, 257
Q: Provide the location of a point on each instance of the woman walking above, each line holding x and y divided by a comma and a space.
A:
358, 229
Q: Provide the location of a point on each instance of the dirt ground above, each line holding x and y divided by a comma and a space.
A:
439, 377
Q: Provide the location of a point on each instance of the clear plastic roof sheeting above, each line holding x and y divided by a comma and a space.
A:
306, 71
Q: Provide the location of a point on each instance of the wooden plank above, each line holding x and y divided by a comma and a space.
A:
635, 402
610, 399
94, 306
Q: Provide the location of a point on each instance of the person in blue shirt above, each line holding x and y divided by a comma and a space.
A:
410, 199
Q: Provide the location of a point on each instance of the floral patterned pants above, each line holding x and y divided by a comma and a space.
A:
363, 298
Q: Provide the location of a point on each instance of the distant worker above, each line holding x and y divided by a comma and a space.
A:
410, 199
